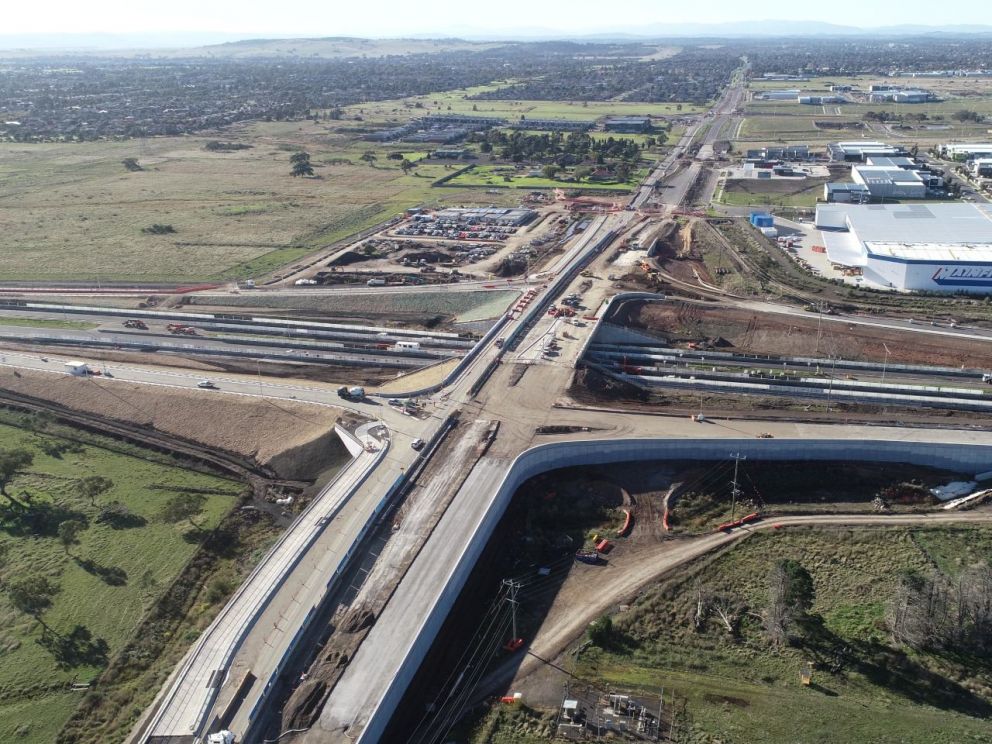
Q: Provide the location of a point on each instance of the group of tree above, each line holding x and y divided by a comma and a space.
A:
300, 162
965, 115
556, 148
938, 612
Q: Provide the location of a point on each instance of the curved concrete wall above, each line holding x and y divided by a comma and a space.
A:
964, 458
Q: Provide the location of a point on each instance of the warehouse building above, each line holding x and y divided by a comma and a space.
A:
966, 150
790, 94
858, 150
820, 100
901, 96
914, 247
788, 152
628, 124
553, 125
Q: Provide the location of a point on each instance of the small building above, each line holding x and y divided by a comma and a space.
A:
857, 150
846, 193
890, 183
789, 152
628, 124
451, 153
840, 88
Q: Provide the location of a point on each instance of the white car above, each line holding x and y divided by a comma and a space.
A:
417, 444
206, 385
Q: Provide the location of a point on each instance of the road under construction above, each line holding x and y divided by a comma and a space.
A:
504, 390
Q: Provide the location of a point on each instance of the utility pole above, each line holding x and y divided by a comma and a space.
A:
735, 491
513, 587
886, 362
661, 704
819, 323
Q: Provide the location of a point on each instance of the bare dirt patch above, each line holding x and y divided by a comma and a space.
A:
769, 333
284, 434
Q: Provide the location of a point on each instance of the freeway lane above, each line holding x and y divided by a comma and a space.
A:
186, 706
182, 709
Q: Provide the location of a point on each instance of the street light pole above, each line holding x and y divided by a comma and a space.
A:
885, 364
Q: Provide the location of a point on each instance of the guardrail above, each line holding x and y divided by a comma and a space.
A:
460, 367
381, 510
234, 318
232, 649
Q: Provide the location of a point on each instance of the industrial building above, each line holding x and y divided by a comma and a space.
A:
789, 152
880, 178
820, 100
858, 150
846, 193
628, 124
966, 150
553, 125
790, 94
901, 96
917, 247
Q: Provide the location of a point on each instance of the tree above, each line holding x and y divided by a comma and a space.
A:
550, 171
131, 164
300, 157
369, 157
32, 595
301, 169
790, 597
407, 166
184, 506
600, 631
12, 461
69, 533
92, 486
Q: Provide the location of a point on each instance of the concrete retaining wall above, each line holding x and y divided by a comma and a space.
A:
963, 458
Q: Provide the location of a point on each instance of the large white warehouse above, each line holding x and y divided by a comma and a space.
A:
933, 247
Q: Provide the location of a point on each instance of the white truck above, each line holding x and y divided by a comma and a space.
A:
221, 737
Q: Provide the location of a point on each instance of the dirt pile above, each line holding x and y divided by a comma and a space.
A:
296, 440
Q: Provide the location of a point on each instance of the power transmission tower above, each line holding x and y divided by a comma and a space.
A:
735, 490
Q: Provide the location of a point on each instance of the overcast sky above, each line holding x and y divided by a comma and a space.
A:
399, 17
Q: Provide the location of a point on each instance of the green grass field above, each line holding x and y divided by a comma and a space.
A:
106, 583
75, 325
78, 214
747, 690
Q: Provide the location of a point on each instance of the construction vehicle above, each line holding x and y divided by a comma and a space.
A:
140, 324
589, 556
180, 329
351, 393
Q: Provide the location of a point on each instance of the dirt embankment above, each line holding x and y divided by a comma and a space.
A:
775, 334
294, 439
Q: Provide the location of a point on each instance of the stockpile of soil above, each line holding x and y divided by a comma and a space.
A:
295, 439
